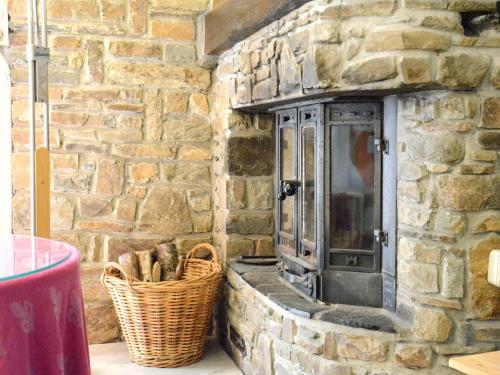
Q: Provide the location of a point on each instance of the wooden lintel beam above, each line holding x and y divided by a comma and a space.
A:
231, 21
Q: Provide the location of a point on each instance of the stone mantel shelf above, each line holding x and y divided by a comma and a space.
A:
327, 95
266, 281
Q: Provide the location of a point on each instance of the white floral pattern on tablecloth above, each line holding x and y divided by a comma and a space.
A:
24, 312
55, 296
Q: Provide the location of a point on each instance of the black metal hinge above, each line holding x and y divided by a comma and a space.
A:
381, 237
382, 145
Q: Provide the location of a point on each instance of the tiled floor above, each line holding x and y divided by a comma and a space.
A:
111, 359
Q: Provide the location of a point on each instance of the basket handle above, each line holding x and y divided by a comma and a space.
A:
109, 269
204, 246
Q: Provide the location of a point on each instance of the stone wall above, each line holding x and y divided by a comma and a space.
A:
130, 132
448, 175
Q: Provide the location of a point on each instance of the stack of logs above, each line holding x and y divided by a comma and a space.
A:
162, 263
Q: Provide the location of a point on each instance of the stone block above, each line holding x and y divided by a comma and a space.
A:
159, 151
487, 223
137, 16
462, 70
178, 29
463, 193
125, 209
135, 49
61, 213
93, 69
447, 21
431, 325
474, 169
194, 128
130, 73
437, 149
244, 88
236, 193
407, 39
309, 340
109, 177
416, 251
250, 156
453, 277
489, 140
490, 113
162, 200
262, 362
202, 222
199, 200
71, 182
250, 223
93, 206
449, 222
184, 5
198, 104
236, 246
416, 70
495, 75
175, 102
410, 191
62, 162
364, 348
113, 10
101, 322
370, 70
471, 5
192, 174
410, 171
187, 152
178, 54
69, 10
418, 277
321, 66
452, 108
364, 8
264, 247
64, 42
143, 172
260, 194
289, 72
415, 216
413, 356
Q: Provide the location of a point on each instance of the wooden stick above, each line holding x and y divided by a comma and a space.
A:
156, 272
166, 255
179, 271
145, 265
130, 263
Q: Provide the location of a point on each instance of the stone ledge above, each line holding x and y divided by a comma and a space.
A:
265, 280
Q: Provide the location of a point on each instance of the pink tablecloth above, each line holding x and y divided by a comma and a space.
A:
42, 327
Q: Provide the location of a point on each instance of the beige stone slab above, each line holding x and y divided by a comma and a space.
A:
110, 359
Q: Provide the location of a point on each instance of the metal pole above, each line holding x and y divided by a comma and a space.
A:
31, 104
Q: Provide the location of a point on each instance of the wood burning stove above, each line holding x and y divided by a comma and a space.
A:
336, 194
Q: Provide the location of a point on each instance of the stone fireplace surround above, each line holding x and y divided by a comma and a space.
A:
448, 125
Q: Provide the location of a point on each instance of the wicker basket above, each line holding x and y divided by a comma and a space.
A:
165, 324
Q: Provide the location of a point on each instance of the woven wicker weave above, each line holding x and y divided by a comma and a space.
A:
165, 324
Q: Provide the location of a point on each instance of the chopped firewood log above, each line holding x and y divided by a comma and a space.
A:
145, 265
179, 271
130, 262
156, 272
166, 255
